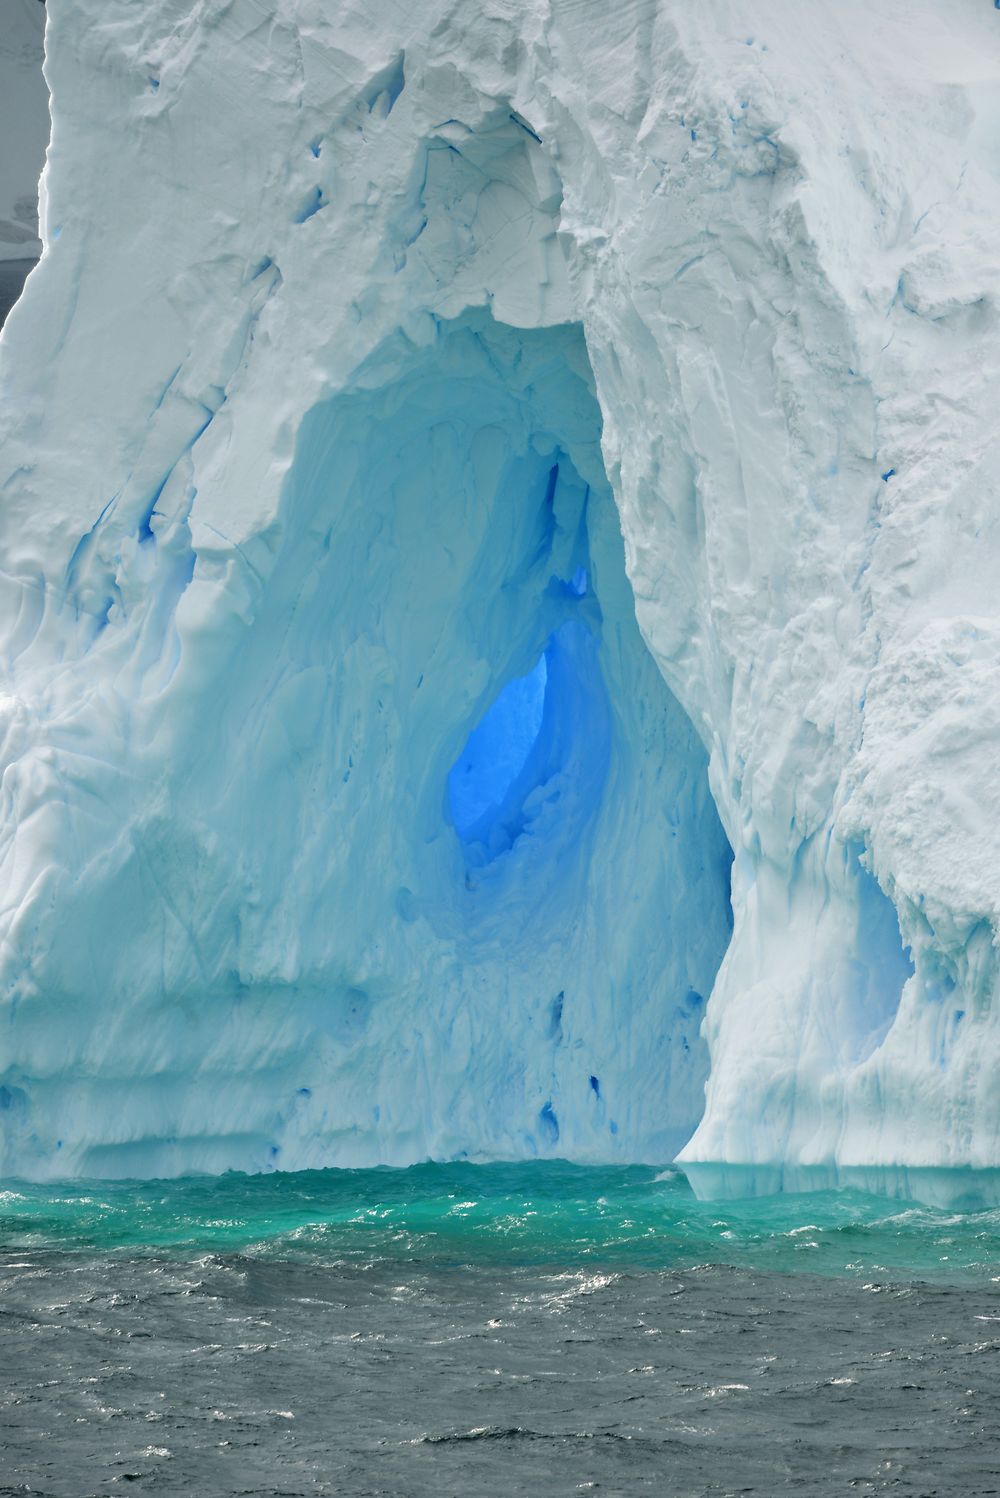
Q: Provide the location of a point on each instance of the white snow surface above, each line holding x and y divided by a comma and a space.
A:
361, 331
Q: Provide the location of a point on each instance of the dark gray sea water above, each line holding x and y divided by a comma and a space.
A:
13, 274
492, 1330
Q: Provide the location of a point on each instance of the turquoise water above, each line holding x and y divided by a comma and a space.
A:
538, 1213
493, 1330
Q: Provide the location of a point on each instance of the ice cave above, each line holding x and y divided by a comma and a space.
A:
497, 615
446, 723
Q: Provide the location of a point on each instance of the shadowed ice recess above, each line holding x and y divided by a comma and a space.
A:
545, 737
462, 888
495, 753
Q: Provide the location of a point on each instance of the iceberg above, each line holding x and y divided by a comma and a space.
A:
498, 614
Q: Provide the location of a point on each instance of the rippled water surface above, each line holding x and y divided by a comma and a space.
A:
492, 1330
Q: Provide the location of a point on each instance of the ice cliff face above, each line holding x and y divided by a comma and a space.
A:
363, 795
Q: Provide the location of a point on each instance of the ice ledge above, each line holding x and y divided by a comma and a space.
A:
958, 1189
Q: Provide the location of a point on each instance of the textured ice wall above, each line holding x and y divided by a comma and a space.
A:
271, 231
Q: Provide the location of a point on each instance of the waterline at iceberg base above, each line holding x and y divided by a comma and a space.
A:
497, 596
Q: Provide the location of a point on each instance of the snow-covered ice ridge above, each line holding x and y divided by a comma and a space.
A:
365, 797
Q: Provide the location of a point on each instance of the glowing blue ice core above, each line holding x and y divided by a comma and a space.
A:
496, 751
537, 760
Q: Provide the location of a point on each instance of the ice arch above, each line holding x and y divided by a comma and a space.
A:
450, 520
199, 904
347, 975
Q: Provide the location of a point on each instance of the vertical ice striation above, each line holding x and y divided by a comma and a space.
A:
452, 469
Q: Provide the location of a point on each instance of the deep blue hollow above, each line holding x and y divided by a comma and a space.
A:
496, 751
536, 762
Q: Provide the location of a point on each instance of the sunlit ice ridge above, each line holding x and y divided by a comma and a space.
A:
498, 624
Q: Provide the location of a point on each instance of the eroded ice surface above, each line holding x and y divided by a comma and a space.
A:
357, 345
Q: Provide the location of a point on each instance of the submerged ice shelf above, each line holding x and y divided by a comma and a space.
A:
497, 594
